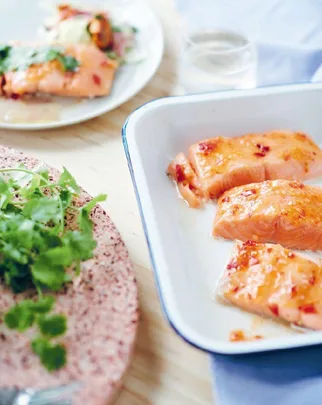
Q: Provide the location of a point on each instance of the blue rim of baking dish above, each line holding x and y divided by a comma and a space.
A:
145, 228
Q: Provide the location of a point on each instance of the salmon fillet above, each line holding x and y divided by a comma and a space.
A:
275, 282
280, 211
220, 163
94, 76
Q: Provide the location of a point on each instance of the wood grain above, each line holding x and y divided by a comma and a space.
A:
165, 370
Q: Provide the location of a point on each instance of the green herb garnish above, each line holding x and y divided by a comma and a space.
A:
36, 249
19, 58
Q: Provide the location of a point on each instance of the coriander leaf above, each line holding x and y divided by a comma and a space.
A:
43, 305
43, 209
51, 276
19, 317
85, 223
81, 244
89, 206
67, 180
53, 357
52, 325
58, 256
66, 198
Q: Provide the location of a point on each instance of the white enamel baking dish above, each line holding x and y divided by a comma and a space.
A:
186, 260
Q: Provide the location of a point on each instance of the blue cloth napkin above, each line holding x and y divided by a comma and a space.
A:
287, 33
286, 377
288, 36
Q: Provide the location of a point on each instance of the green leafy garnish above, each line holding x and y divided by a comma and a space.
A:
52, 325
19, 58
52, 356
38, 251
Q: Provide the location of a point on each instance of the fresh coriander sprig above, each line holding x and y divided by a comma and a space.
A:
36, 249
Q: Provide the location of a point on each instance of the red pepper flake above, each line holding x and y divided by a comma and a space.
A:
312, 280
96, 79
249, 243
274, 309
235, 289
232, 265
308, 308
15, 96
291, 255
260, 154
269, 250
263, 150
207, 147
294, 291
225, 199
180, 176
191, 187
247, 193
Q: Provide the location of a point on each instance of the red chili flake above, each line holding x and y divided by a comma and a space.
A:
180, 176
294, 291
308, 308
191, 187
225, 199
232, 265
260, 154
235, 289
97, 80
247, 193
15, 96
269, 250
312, 280
291, 255
274, 309
249, 243
263, 148
207, 146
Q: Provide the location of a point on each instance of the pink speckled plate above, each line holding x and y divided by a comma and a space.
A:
102, 308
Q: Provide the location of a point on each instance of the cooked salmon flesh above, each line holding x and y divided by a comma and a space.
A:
93, 77
216, 165
279, 211
275, 282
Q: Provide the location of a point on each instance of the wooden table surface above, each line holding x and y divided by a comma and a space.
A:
165, 370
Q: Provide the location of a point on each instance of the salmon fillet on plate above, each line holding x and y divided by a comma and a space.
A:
216, 165
279, 211
74, 70
275, 282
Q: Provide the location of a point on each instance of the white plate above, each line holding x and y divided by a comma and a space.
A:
187, 261
21, 20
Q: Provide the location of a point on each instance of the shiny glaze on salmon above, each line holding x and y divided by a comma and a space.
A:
280, 211
221, 163
275, 282
94, 76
